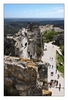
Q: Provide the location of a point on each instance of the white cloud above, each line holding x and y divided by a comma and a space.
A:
49, 13
56, 8
54, 12
60, 10
36, 10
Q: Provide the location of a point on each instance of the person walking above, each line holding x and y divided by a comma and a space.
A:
58, 76
52, 66
52, 58
56, 71
56, 84
59, 86
50, 84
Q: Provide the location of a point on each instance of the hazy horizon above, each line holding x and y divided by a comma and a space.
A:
31, 18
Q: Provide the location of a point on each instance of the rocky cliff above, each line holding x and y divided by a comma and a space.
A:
22, 78
35, 41
24, 72
59, 39
28, 43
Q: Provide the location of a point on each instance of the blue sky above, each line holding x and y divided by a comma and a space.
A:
33, 11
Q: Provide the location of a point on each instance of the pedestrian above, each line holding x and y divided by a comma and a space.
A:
56, 71
52, 66
58, 76
52, 73
50, 84
53, 83
59, 86
52, 58
56, 83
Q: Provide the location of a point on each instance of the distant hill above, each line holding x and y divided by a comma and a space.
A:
12, 25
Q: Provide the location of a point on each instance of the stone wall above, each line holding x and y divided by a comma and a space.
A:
21, 77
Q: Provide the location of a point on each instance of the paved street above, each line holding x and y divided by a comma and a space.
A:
50, 57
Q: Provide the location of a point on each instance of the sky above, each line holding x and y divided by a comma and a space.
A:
33, 10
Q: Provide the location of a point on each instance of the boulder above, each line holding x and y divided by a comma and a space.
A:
20, 80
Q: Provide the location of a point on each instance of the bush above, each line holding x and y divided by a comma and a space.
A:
62, 49
48, 35
60, 59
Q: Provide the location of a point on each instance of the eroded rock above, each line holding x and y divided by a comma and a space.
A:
20, 80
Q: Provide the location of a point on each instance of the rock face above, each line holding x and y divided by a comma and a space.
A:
24, 73
35, 41
28, 42
21, 43
9, 46
59, 39
21, 77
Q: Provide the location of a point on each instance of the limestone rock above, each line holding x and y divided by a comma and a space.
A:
20, 80
26, 44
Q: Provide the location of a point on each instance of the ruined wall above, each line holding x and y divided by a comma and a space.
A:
21, 44
36, 43
28, 44
23, 75
21, 78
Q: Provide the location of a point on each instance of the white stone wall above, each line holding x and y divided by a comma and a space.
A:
21, 49
28, 42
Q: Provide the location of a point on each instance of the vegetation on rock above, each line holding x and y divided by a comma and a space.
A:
48, 35
60, 63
